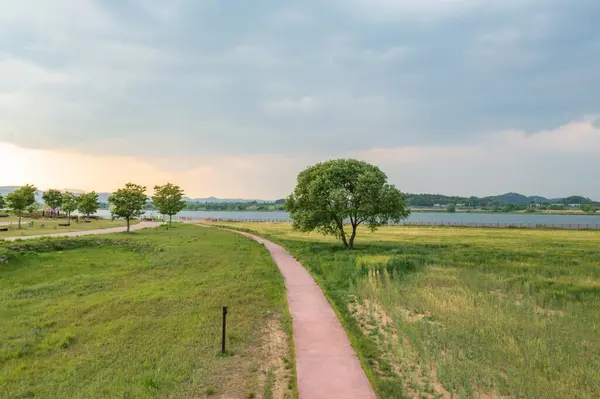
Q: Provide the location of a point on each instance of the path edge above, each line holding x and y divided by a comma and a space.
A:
341, 319
291, 337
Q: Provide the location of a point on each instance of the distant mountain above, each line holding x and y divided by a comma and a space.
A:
541, 200
429, 200
520, 199
515, 199
4, 190
103, 197
423, 200
8, 189
73, 190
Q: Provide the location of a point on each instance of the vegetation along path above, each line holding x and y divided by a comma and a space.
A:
327, 366
142, 225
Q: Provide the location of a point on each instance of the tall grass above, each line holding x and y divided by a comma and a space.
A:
465, 312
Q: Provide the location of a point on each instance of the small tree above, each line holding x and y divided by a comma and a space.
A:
168, 199
2, 202
128, 202
20, 200
588, 208
332, 193
53, 198
451, 208
69, 204
88, 204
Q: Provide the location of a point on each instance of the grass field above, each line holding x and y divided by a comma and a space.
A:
435, 312
139, 315
51, 226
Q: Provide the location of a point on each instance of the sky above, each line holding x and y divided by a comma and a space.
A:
235, 98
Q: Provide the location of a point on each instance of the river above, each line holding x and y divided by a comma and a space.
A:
426, 217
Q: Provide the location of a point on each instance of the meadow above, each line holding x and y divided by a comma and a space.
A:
51, 226
139, 315
463, 312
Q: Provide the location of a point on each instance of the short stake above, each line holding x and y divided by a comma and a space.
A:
224, 329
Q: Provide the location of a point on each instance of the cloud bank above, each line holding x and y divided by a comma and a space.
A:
454, 96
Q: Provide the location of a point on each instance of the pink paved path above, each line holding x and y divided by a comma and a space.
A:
142, 225
326, 363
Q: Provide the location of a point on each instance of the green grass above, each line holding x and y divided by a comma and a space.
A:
51, 226
476, 312
137, 315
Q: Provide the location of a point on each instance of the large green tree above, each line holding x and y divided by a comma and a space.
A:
88, 204
53, 199
69, 204
168, 199
128, 202
21, 199
339, 195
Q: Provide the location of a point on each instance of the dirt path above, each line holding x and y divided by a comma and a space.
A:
326, 363
142, 225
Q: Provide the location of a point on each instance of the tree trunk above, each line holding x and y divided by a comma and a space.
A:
19, 222
342, 233
170, 219
352, 237
127, 218
69, 218
344, 239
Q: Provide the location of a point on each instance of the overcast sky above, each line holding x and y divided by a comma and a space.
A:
234, 98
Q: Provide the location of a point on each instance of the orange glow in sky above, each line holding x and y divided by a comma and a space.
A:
65, 169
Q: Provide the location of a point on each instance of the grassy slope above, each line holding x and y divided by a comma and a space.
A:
481, 311
51, 226
118, 319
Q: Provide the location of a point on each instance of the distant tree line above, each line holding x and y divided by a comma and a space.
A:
517, 201
235, 206
447, 203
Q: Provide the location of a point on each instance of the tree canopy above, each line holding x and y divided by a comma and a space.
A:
2, 202
53, 198
88, 204
128, 202
69, 204
168, 199
20, 200
330, 194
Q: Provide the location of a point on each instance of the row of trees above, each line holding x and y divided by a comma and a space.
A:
128, 202
86, 204
23, 200
131, 201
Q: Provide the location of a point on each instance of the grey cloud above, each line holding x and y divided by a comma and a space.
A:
197, 78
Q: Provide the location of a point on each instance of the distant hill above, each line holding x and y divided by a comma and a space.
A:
425, 200
428, 200
4, 190
103, 197
516, 199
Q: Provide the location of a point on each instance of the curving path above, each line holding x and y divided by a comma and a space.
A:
142, 225
326, 363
